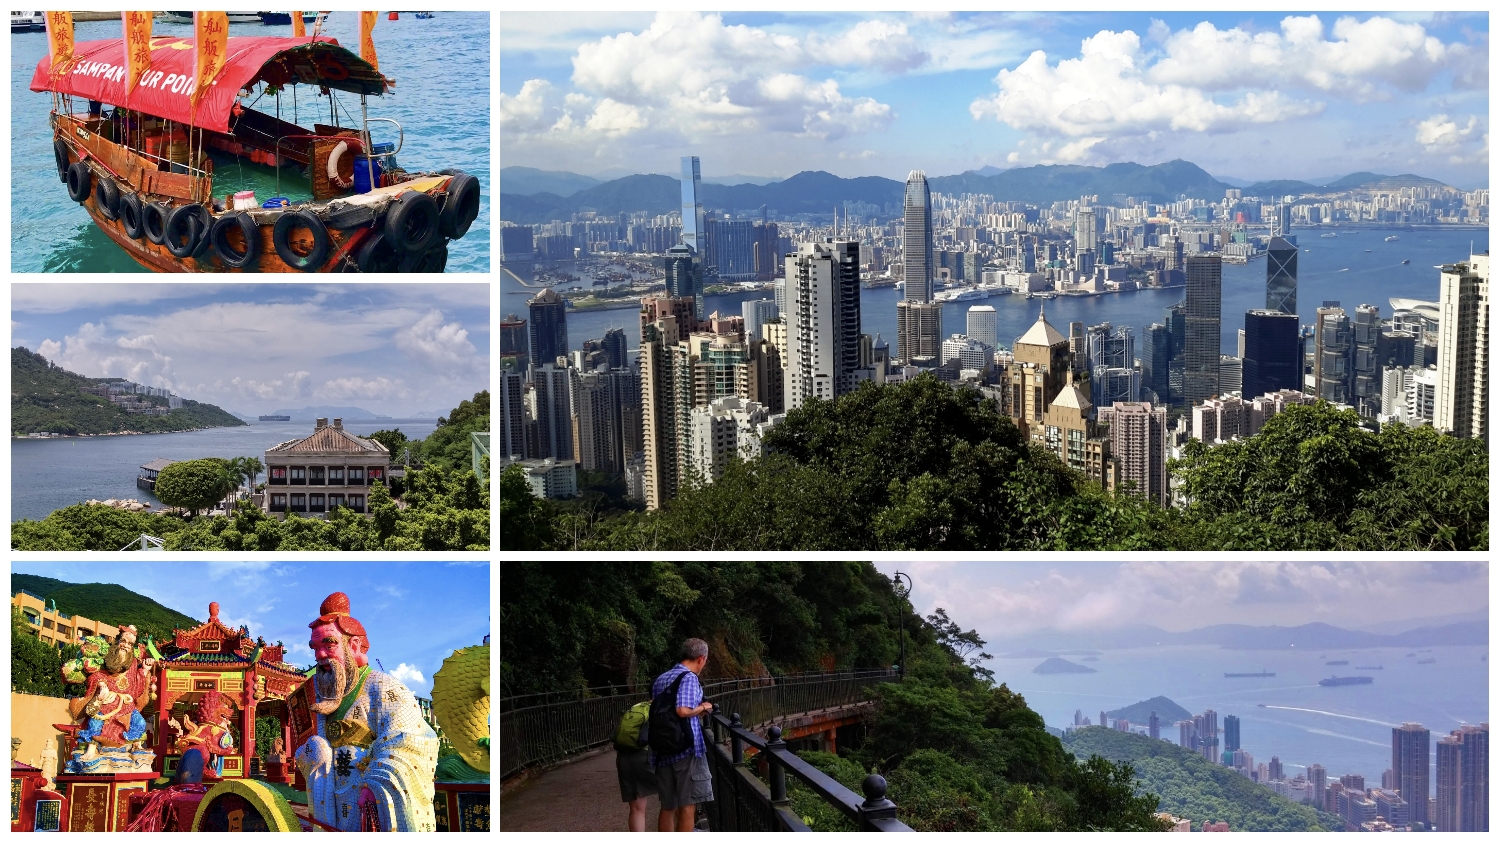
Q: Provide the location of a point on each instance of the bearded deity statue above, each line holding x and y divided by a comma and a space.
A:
118, 685
370, 765
210, 735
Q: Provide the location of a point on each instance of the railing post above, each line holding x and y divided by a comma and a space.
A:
776, 771
875, 806
736, 743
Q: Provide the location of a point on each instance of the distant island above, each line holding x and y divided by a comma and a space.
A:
48, 399
1166, 711
1056, 665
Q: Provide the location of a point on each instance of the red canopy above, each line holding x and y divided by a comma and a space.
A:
98, 73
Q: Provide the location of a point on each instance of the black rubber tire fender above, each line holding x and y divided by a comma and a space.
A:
411, 223
205, 223
312, 261
154, 220
183, 222
107, 197
433, 260
80, 182
462, 206
374, 255
131, 216
60, 152
248, 229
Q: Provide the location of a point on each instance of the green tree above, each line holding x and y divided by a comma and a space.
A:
524, 521
35, 667
393, 440
194, 484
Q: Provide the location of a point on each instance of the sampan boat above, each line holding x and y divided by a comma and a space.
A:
140, 164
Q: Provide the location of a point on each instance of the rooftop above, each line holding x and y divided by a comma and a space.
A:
330, 439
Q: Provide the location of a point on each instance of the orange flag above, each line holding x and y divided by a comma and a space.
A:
299, 29
210, 40
137, 47
60, 41
366, 42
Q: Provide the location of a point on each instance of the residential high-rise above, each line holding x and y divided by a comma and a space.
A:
916, 240
756, 313
1077, 717
694, 233
1317, 783
1333, 343
971, 353
1273, 354
684, 276
552, 411
515, 344
727, 429
1187, 734
919, 330
596, 423
1042, 359
1474, 778
1208, 734
1103, 718
512, 433
1154, 726
664, 323
1200, 376
822, 318
984, 324
549, 327
1232, 734
1281, 276
615, 348
1463, 398
1278, 773
1449, 783
1409, 759
1138, 447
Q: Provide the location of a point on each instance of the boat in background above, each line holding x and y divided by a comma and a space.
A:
285, 18
424, 15
1406, 262
275, 418
234, 17
1347, 680
28, 21
1393, 238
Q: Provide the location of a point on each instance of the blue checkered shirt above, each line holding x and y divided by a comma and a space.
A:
689, 695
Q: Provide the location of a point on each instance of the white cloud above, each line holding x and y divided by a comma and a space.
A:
94, 352
438, 344
291, 385
409, 674
340, 389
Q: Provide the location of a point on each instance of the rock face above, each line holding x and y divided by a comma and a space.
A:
1056, 665
127, 504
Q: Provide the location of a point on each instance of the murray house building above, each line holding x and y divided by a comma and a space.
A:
329, 469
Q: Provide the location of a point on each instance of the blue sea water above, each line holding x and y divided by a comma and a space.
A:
1371, 278
49, 474
442, 100
1347, 729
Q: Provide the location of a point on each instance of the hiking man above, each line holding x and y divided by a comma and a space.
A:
682, 778
633, 764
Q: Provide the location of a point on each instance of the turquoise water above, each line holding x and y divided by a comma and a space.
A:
442, 99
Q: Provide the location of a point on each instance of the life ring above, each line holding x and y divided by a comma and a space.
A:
461, 207
314, 259
248, 230
60, 152
131, 216
183, 222
411, 222
333, 165
79, 186
107, 197
154, 218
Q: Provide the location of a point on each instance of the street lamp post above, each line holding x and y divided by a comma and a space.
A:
901, 613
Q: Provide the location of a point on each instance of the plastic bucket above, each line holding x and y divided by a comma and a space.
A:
362, 169
276, 202
244, 200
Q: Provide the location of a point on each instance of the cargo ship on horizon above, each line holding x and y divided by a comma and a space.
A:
1346, 680
275, 418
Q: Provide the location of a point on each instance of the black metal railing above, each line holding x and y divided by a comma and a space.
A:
742, 802
543, 728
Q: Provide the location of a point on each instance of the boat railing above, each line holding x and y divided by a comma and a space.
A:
400, 135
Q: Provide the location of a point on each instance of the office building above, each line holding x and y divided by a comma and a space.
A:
1138, 449
1333, 344
919, 331
1463, 359
1156, 358
512, 432
694, 239
822, 318
971, 353
1231, 374
1200, 377
730, 248
984, 324
549, 327
916, 241
615, 348
1409, 764
1364, 360
1281, 276
1273, 356
517, 251
515, 343
1278, 773
1153, 726
1232, 734
684, 276
1175, 318
1113, 375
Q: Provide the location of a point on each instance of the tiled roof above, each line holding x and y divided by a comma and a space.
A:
158, 464
331, 440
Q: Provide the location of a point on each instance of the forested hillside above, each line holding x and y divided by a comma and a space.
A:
44, 398
112, 604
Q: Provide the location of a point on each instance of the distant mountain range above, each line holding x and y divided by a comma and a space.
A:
536, 196
1056, 665
107, 602
1319, 636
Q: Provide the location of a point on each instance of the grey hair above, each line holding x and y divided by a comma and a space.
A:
692, 650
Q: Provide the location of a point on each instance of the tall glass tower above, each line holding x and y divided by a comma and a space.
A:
694, 235
1201, 345
917, 240
1281, 276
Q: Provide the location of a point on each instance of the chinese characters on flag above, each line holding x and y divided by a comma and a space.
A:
210, 38
366, 39
137, 47
299, 27
60, 41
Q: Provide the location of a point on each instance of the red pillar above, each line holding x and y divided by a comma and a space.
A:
248, 720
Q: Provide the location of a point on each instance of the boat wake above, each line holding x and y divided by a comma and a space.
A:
1335, 714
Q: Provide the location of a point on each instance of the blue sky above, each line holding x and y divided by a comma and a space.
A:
416, 613
392, 349
1248, 95
1009, 599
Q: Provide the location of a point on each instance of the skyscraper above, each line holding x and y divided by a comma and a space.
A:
1040, 370
757, 313
919, 330
1409, 754
1333, 343
614, 347
1278, 773
1281, 276
1317, 783
553, 412
512, 431
916, 242
1232, 734
1364, 361
694, 233
984, 324
1138, 445
1200, 375
1175, 318
1449, 783
1474, 778
664, 323
515, 344
1463, 398
1156, 358
1154, 726
549, 327
1208, 734
822, 320
1187, 734
1273, 354
596, 422
1113, 375
684, 276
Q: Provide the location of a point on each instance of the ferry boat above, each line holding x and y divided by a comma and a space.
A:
275, 418
1346, 680
141, 164
1406, 262
1247, 675
1331, 234
28, 21
234, 17
1393, 238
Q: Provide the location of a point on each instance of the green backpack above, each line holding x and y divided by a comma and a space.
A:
632, 735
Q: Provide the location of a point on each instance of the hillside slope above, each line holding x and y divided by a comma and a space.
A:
112, 604
1167, 712
1191, 787
44, 398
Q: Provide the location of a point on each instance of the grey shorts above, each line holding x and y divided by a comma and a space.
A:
687, 782
637, 779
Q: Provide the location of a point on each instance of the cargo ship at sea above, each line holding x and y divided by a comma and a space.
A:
275, 418
1346, 680
1337, 663
1247, 675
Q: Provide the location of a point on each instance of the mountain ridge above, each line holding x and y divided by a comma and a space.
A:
107, 602
1244, 637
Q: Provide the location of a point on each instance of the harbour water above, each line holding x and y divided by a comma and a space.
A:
1371, 278
49, 474
1346, 729
442, 100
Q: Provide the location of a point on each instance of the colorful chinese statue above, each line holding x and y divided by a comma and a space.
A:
210, 735
118, 684
370, 764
